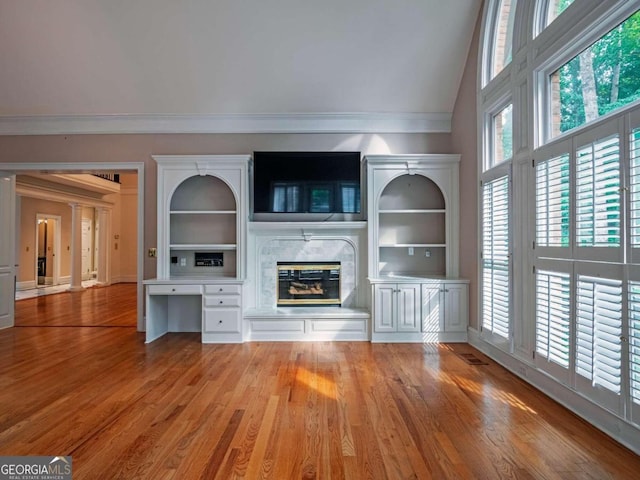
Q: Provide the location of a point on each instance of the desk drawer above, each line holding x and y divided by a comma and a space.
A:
223, 289
222, 300
174, 289
221, 320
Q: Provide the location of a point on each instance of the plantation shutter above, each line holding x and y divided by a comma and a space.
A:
634, 193
634, 341
598, 332
598, 196
495, 255
553, 305
552, 202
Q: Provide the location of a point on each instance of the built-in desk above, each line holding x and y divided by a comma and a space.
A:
210, 305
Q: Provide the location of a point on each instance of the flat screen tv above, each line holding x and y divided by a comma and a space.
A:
311, 183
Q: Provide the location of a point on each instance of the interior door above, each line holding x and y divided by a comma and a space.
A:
7, 249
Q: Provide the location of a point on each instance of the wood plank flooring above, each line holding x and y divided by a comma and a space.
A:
114, 305
177, 409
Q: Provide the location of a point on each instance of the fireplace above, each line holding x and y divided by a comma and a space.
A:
308, 284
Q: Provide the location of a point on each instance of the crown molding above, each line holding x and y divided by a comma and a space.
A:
227, 123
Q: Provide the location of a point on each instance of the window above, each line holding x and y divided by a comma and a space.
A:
502, 51
503, 135
552, 202
570, 299
553, 305
554, 9
495, 257
598, 194
601, 79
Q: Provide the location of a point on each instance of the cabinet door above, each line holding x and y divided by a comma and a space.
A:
432, 311
456, 307
408, 308
384, 306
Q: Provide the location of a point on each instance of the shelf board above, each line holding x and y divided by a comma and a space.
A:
414, 245
415, 210
203, 246
202, 212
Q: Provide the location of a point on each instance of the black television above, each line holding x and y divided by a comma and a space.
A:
314, 185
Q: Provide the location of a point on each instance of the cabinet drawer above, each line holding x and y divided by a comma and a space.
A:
221, 320
222, 300
174, 289
223, 289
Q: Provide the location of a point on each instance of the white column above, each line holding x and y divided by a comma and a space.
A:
104, 248
76, 247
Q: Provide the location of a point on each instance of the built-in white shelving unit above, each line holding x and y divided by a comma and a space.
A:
407, 248
413, 248
202, 210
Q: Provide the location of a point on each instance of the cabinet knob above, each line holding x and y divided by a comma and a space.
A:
220, 289
173, 289
219, 322
220, 302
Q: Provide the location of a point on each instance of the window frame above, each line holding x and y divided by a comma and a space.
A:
555, 54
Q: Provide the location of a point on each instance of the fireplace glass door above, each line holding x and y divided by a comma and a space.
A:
308, 283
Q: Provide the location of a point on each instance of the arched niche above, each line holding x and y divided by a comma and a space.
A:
411, 192
411, 227
203, 192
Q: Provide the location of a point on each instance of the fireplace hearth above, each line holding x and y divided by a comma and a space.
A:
308, 284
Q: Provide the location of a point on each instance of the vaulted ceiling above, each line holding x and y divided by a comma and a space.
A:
90, 57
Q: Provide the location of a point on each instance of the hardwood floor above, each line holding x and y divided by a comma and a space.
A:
177, 409
111, 306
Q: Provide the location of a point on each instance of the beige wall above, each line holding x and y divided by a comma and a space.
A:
139, 148
124, 225
124, 234
464, 140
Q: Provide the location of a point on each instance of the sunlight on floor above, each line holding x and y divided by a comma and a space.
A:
317, 382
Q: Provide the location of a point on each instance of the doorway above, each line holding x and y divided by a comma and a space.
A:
12, 169
47, 250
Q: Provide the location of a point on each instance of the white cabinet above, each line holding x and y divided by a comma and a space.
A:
195, 305
397, 308
413, 215
445, 310
202, 210
222, 317
433, 310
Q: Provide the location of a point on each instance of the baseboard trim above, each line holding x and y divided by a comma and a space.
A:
124, 279
26, 285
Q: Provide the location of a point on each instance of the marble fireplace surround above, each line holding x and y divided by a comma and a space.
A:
272, 242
